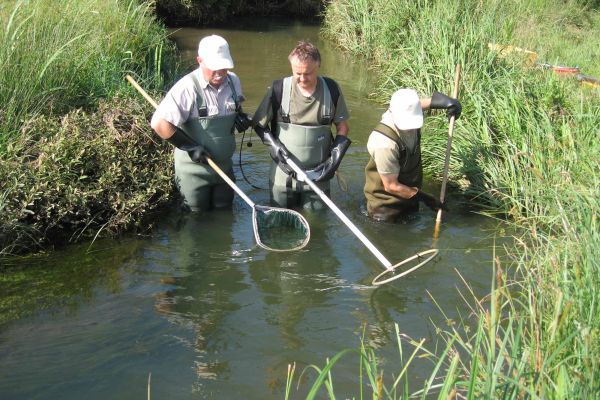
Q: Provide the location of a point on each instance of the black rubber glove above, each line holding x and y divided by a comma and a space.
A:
326, 170
183, 142
199, 155
242, 122
278, 151
430, 201
440, 100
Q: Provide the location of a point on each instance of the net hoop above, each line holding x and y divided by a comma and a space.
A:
268, 210
379, 278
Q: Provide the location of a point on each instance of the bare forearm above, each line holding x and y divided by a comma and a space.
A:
395, 188
342, 128
426, 103
163, 128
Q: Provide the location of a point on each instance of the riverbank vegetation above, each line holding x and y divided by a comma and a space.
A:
204, 12
525, 148
66, 121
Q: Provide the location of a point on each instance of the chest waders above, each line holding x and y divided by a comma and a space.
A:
201, 187
380, 204
310, 145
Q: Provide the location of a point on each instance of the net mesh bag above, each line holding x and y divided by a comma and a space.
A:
280, 229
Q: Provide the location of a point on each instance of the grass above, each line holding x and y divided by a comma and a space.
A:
525, 149
68, 180
502, 348
67, 119
54, 59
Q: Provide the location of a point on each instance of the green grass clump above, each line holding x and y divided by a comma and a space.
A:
66, 123
56, 58
525, 148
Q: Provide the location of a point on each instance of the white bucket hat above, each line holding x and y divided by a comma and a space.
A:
214, 52
406, 110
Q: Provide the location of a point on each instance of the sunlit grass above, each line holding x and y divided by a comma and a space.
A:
56, 58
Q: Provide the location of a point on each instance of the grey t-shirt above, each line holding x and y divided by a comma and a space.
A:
304, 110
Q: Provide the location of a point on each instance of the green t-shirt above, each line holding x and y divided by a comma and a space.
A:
304, 110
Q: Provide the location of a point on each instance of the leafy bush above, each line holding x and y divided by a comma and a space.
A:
80, 175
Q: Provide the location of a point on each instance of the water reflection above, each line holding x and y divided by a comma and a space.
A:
202, 294
291, 284
62, 279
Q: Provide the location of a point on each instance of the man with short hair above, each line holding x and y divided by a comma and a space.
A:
294, 119
394, 173
198, 116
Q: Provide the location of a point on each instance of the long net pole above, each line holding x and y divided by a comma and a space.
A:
302, 176
438, 219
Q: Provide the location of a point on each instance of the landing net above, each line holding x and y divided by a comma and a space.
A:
279, 229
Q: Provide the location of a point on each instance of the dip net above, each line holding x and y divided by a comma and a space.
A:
279, 229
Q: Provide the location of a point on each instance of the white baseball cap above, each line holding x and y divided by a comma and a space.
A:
214, 52
406, 110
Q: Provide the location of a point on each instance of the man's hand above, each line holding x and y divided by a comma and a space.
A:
433, 203
439, 100
326, 170
242, 122
279, 153
199, 155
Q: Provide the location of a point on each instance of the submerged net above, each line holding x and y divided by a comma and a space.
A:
405, 267
280, 229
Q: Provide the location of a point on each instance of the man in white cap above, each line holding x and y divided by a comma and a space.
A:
198, 116
394, 173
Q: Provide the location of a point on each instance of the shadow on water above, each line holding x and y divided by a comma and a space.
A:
211, 314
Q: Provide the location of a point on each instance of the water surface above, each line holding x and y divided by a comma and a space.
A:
212, 315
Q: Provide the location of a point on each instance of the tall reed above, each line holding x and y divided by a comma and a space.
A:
56, 57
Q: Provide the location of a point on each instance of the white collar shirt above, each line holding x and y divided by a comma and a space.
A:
180, 105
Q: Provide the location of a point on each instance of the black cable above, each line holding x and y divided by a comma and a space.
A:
240, 162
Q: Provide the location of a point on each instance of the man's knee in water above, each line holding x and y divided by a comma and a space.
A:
221, 196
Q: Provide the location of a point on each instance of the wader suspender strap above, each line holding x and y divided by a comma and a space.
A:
389, 133
286, 94
201, 101
238, 106
392, 135
333, 91
326, 109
